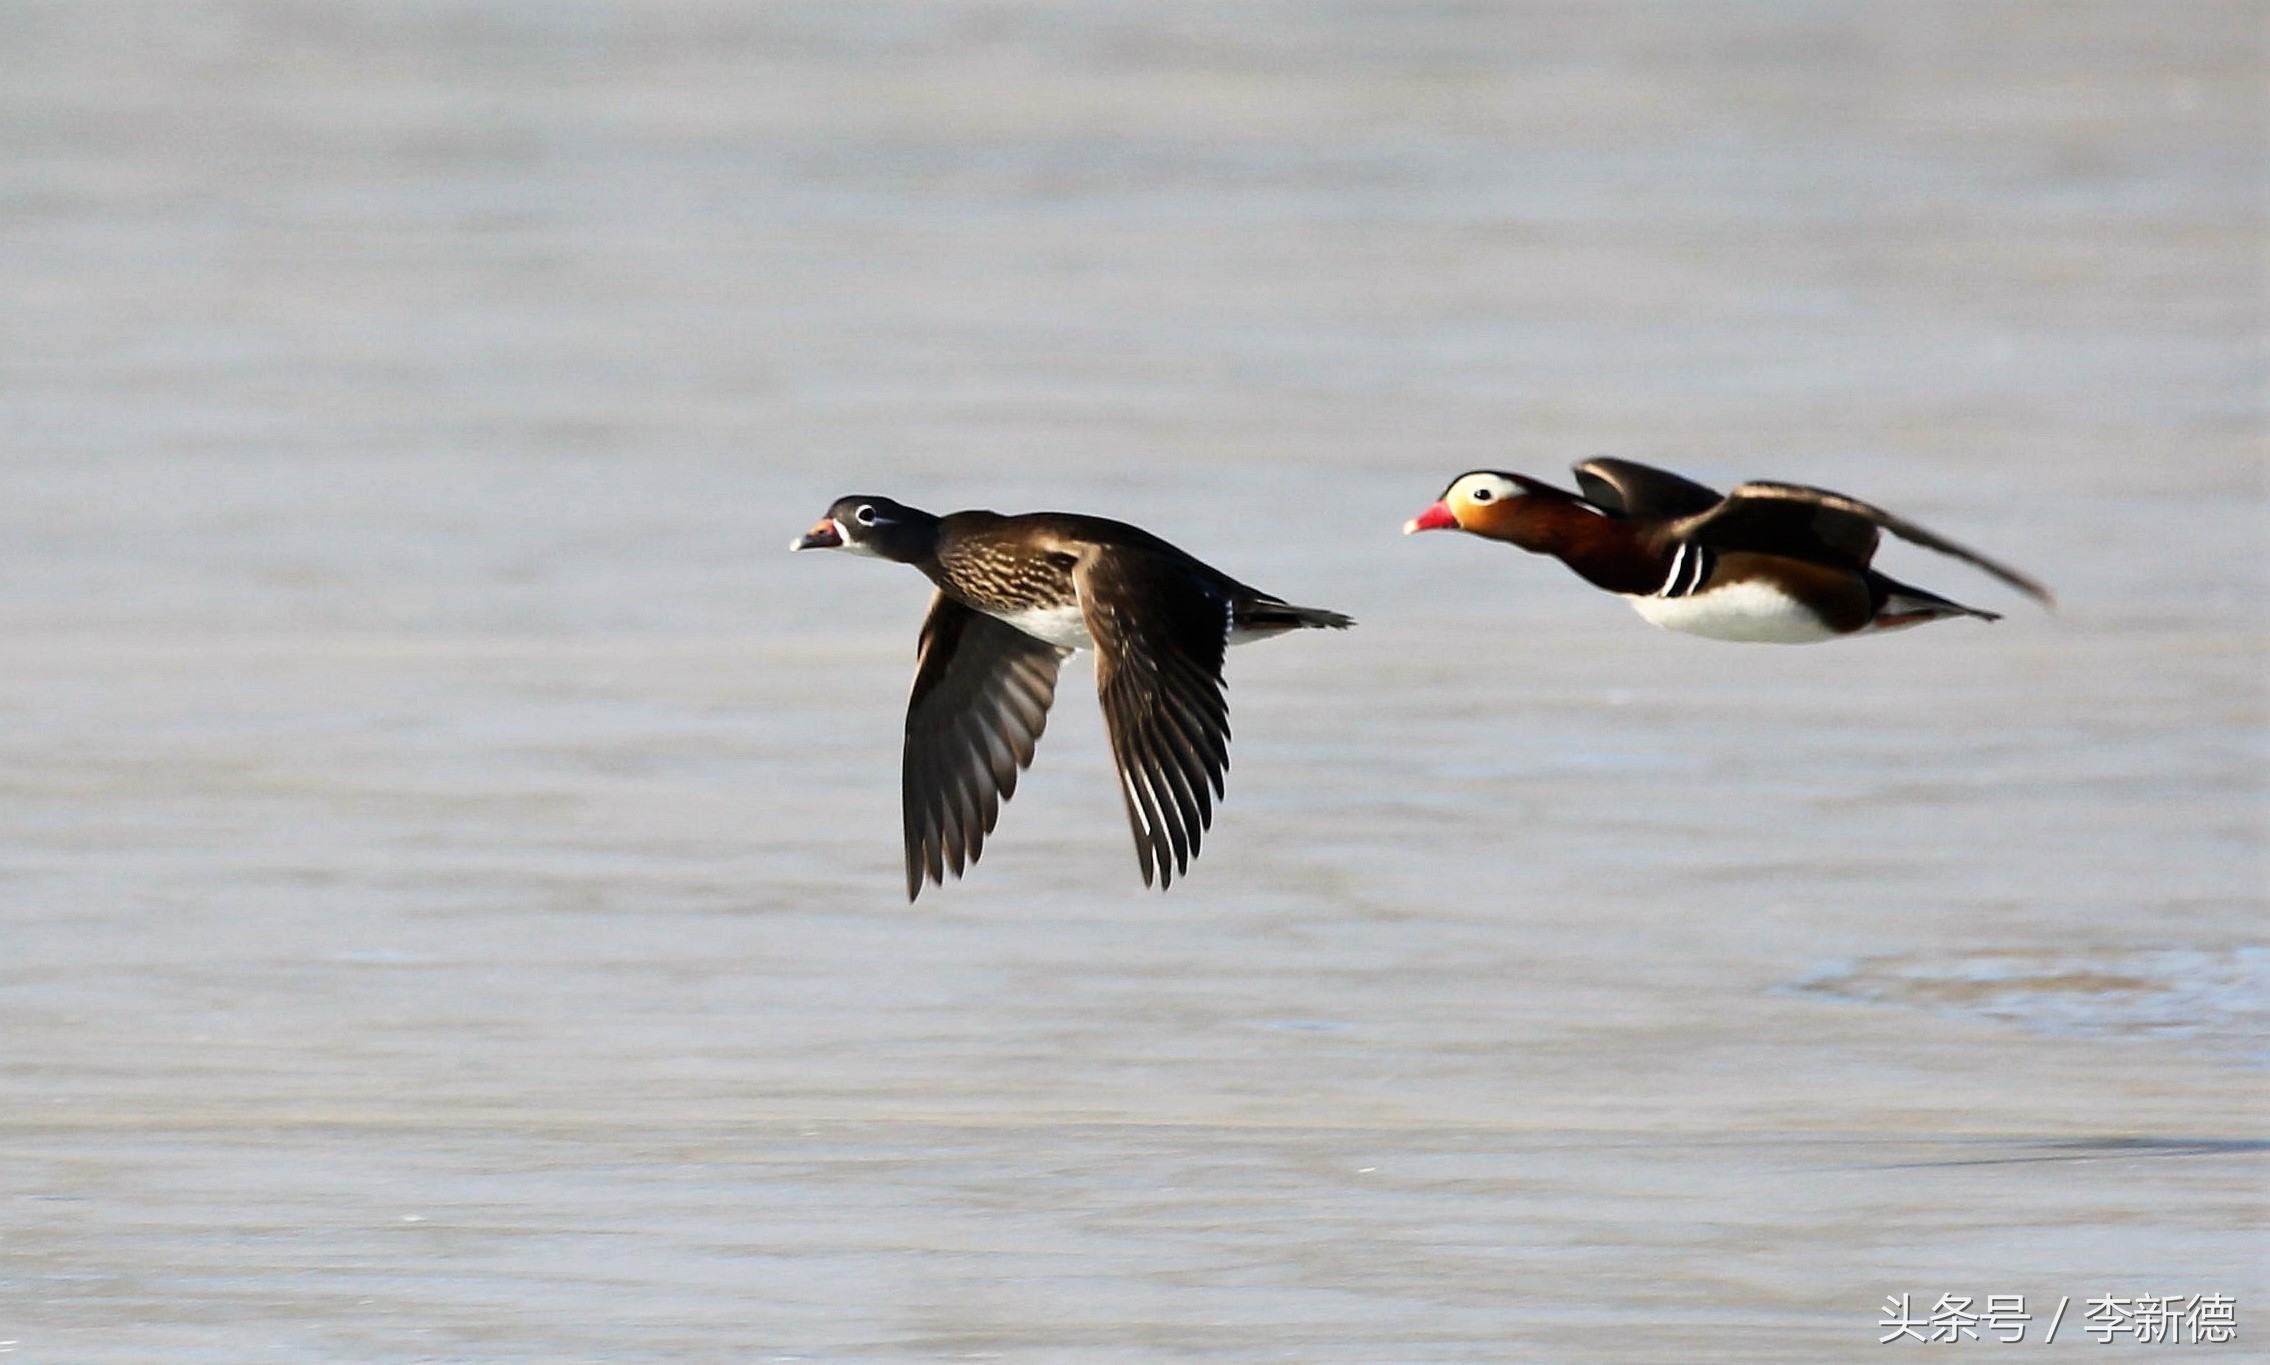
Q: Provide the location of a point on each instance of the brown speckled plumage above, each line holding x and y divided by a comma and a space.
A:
1158, 619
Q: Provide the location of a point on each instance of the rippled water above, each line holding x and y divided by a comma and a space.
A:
451, 890
2207, 997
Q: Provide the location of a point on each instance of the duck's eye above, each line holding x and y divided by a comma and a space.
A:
1482, 495
865, 516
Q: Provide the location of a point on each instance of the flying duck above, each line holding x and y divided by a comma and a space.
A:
1777, 563
1015, 596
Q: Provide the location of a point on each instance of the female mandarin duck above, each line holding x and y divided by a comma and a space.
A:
1777, 563
1015, 596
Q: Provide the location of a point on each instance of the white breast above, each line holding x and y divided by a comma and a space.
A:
1066, 627
1747, 611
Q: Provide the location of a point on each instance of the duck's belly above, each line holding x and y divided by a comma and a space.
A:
1068, 627
1750, 612
1065, 627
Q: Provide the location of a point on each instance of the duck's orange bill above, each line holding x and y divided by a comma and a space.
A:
1435, 518
824, 536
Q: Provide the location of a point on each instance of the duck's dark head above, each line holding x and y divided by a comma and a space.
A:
869, 525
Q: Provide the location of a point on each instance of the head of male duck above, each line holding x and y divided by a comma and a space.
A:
864, 524
1488, 502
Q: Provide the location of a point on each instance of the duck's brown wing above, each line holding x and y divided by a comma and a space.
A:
1641, 492
1160, 632
1814, 523
982, 689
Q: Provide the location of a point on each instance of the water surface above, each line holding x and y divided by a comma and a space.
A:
451, 889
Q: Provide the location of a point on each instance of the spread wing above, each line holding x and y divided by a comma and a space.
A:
1160, 633
982, 689
1641, 492
1813, 523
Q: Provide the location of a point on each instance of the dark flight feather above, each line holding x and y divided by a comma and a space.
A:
1160, 634
982, 689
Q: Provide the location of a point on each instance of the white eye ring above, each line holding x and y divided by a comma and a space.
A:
1481, 495
865, 515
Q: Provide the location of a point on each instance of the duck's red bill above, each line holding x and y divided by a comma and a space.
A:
824, 536
1435, 518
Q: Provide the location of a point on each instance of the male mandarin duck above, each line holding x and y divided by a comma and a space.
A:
1775, 563
1015, 596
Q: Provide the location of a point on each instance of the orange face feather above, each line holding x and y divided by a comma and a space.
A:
1473, 502
1605, 551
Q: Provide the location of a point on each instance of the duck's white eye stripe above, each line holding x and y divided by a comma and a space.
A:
865, 515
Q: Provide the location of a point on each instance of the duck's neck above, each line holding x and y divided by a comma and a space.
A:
910, 538
1604, 551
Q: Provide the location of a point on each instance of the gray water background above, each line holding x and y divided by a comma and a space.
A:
448, 872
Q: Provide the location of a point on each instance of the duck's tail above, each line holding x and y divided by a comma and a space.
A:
1266, 616
1899, 606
